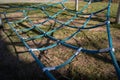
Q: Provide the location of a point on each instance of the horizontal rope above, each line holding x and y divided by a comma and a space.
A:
65, 63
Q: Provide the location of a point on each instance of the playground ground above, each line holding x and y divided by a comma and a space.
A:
17, 64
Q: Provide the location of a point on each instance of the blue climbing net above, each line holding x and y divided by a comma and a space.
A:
62, 24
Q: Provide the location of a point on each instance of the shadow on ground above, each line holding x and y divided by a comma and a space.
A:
11, 68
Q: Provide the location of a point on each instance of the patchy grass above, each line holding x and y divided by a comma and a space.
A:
84, 67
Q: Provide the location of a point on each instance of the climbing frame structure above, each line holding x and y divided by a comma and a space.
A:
55, 41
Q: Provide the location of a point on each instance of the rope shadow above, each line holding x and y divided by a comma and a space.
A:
13, 69
103, 57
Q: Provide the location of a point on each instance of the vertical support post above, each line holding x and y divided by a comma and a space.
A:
76, 5
118, 14
1, 24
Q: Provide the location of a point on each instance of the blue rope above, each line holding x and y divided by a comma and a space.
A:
117, 68
33, 55
63, 41
40, 64
56, 39
65, 63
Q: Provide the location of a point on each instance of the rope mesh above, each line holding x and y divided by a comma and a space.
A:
59, 25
